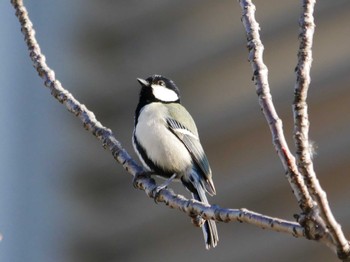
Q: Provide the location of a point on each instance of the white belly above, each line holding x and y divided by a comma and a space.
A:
162, 146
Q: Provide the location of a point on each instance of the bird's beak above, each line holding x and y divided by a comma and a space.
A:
143, 82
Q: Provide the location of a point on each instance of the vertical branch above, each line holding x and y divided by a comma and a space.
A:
301, 126
300, 109
260, 77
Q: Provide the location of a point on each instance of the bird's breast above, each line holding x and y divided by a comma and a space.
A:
162, 147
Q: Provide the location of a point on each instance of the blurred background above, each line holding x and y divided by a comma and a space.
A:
64, 198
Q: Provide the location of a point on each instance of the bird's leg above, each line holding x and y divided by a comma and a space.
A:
165, 184
157, 189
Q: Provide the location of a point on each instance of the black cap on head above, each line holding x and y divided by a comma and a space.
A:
161, 80
154, 89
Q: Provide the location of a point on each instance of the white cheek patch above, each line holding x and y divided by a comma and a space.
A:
164, 94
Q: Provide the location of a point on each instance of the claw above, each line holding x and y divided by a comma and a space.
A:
156, 192
198, 221
137, 177
157, 189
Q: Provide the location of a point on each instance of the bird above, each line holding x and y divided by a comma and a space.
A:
166, 140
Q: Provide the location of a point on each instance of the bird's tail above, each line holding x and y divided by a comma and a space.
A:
210, 231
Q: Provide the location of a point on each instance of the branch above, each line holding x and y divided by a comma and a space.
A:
141, 181
260, 77
215, 212
301, 127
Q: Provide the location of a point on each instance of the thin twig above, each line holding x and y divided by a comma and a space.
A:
105, 135
260, 76
301, 127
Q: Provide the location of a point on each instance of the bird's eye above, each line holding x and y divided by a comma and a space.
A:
161, 83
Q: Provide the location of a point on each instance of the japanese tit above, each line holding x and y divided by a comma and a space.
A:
166, 140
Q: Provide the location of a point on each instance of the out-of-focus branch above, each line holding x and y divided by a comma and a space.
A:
301, 127
141, 181
260, 77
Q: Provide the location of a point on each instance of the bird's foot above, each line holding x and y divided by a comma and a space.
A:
157, 189
198, 221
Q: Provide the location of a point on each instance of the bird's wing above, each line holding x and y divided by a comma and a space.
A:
193, 145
